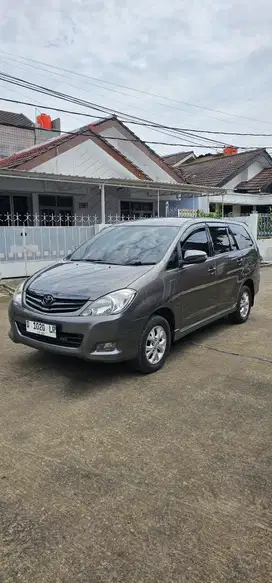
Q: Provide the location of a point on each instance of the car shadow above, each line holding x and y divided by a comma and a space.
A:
82, 377
73, 375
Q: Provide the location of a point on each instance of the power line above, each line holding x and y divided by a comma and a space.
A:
105, 138
76, 73
12, 59
64, 96
151, 124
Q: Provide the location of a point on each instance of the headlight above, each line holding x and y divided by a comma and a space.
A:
111, 304
17, 296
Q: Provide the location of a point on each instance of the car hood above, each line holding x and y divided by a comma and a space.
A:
84, 279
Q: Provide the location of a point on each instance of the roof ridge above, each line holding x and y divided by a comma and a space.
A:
178, 153
224, 156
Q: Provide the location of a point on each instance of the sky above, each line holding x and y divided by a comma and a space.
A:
194, 57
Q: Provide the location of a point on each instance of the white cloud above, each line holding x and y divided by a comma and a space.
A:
211, 53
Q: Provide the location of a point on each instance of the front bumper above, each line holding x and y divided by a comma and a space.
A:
88, 331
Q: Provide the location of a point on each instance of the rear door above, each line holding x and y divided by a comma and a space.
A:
248, 252
228, 263
196, 283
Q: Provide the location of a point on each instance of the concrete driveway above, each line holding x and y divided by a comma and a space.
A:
107, 476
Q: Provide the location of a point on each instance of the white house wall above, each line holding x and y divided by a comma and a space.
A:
137, 156
247, 174
86, 159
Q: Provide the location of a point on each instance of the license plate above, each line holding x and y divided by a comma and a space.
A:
41, 329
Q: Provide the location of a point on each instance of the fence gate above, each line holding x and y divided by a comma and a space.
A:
24, 250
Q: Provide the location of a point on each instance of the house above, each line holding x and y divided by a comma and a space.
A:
18, 132
260, 184
104, 150
176, 160
231, 172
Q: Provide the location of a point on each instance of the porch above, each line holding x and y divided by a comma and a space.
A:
26, 195
34, 208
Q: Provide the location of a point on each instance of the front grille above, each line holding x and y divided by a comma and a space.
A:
63, 338
59, 306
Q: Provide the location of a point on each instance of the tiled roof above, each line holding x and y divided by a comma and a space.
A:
218, 170
258, 183
19, 159
23, 156
15, 119
173, 159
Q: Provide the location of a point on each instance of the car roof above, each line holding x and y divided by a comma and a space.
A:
175, 221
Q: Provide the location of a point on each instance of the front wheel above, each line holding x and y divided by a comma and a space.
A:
244, 304
154, 346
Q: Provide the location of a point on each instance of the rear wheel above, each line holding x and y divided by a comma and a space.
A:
154, 346
244, 304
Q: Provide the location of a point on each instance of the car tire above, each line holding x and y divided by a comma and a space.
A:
154, 345
244, 305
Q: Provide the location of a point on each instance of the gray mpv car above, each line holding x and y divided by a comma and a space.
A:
136, 287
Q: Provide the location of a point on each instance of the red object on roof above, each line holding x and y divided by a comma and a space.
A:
230, 150
44, 121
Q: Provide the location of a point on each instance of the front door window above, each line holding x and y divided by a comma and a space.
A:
197, 241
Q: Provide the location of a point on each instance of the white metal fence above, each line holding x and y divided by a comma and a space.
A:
44, 239
30, 242
24, 250
63, 219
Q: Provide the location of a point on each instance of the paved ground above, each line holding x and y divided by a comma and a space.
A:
107, 476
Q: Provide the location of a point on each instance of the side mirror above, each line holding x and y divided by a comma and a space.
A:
194, 256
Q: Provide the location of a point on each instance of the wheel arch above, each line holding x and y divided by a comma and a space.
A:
250, 284
168, 315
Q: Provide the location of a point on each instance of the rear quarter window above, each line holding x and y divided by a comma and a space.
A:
242, 237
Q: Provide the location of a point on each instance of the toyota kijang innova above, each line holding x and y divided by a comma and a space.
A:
136, 287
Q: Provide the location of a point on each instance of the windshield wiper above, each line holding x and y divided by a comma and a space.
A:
136, 263
101, 261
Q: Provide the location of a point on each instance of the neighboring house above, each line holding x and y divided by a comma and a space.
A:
260, 184
176, 160
228, 171
17, 132
105, 149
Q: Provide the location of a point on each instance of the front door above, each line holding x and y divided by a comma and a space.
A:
197, 283
21, 208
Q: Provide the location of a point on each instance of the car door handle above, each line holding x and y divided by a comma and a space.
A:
212, 270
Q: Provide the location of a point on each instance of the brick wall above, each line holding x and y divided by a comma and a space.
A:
14, 139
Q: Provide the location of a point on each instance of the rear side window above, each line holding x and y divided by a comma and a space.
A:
220, 239
242, 237
196, 241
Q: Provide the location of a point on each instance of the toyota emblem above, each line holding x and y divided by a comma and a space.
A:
48, 300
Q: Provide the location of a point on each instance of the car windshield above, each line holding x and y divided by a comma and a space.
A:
127, 245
